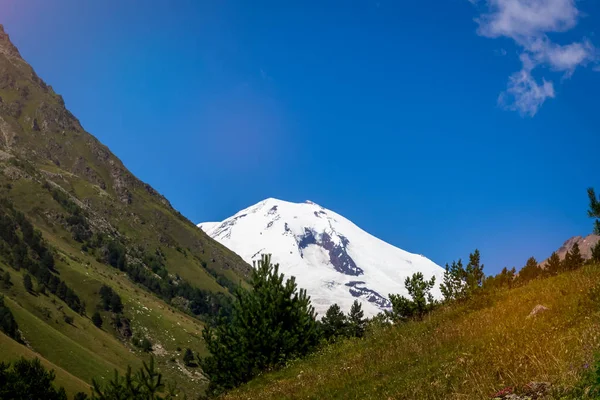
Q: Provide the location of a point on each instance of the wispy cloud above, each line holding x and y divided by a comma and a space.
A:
528, 23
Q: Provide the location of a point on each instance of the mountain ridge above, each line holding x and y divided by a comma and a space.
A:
586, 243
101, 226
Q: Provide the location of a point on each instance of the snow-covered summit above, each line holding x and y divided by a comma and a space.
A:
332, 258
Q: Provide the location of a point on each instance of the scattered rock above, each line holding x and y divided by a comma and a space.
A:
531, 391
537, 310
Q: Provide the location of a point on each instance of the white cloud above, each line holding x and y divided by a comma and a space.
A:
524, 94
520, 19
528, 23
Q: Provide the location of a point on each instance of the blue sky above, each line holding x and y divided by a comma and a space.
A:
439, 127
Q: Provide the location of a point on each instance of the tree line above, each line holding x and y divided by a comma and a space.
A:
22, 247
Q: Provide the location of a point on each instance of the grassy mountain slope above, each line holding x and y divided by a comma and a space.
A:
468, 351
102, 226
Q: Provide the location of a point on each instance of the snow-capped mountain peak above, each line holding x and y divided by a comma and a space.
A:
332, 258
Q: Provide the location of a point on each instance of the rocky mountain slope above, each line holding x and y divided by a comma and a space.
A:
585, 246
64, 192
333, 259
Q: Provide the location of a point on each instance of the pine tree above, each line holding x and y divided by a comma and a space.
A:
553, 265
27, 283
28, 379
106, 295
422, 300
6, 280
566, 264
334, 323
268, 325
454, 281
47, 260
146, 384
577, 260
357, 324
474, 272
188, 357
530, 271
594, 210
97, 319
8, 325
115, 303
596, 252
61, 290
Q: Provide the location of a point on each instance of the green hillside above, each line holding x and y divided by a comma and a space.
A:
464, 351
74, 219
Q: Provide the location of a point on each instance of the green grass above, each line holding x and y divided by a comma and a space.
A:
465, 351
11, 351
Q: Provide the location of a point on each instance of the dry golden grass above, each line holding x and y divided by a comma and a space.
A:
467, 351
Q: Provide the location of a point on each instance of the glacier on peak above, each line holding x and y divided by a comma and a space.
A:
331, 257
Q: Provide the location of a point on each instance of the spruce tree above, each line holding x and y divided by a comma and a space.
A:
334, 323
594, 210
27, 283
268, 325
553, 265
357, 323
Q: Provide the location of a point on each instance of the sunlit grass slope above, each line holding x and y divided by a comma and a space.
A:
467, 351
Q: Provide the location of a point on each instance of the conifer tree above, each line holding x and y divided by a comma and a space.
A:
553, 265
474, 272
576, 259
334, 323
530, 271
27, 283
6, 280
421, 301
566, 263
596, 253
594, 210
28, 379
145, 384
8, 325
97, 319
188, 357
356, 321
268, 325
454, 281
